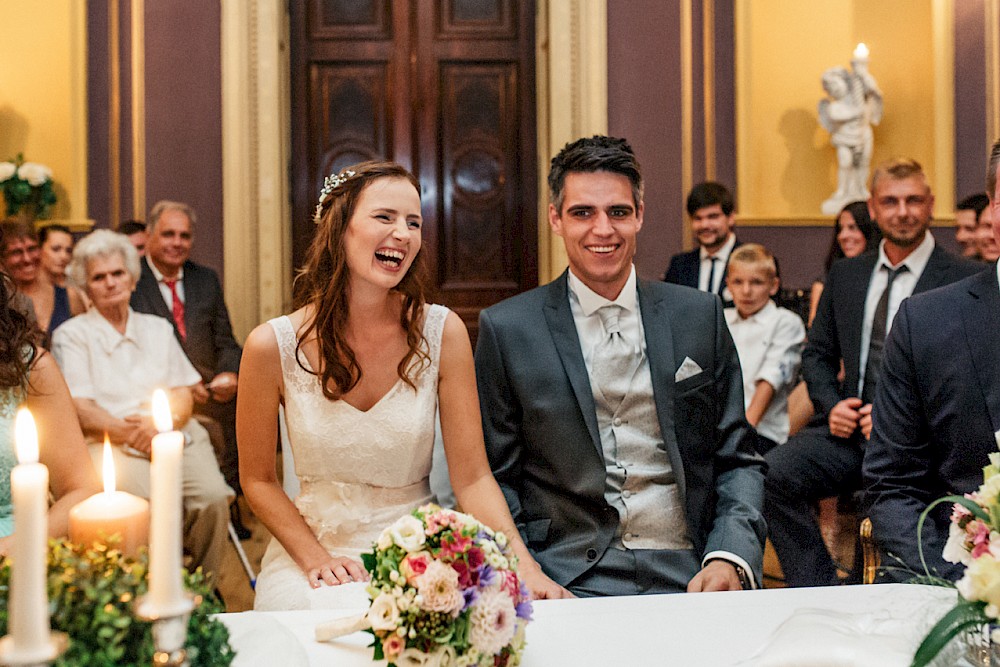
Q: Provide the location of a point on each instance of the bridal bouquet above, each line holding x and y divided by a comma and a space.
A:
445, 591
974, 541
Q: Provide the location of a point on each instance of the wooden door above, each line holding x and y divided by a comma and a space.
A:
446, 88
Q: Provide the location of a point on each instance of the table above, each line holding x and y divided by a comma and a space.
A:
707, 629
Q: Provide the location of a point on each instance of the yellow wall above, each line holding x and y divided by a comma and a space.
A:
785, 164
43, 93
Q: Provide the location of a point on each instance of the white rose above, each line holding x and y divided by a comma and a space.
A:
384, 540
408, 533
411, 657
383, 614
36, 174
7, 169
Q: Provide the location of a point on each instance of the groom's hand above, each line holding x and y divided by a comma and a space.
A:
336, 571
540, 585
717, 575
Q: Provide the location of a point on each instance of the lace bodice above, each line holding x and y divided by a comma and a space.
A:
358, 470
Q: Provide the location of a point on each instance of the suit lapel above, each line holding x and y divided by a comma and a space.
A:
981, 317
854, 293
559, 318
150, 291
662, 366
933, 274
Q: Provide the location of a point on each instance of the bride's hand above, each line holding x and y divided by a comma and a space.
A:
540, 585
337, 570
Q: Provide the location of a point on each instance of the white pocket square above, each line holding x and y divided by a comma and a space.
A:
688, 369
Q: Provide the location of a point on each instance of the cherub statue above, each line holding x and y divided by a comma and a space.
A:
854, 105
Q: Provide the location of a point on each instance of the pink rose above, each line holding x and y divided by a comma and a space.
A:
414, 565
392, 646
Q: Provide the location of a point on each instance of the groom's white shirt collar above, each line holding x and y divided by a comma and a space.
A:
590, 301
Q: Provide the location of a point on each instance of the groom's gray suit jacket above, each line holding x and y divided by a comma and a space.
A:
542, 437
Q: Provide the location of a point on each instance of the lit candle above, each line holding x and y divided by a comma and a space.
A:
166, 589
861, 51
111, 513
29, 488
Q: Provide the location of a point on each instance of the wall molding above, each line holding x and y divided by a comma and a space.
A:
571, 46
255, 158
138, 84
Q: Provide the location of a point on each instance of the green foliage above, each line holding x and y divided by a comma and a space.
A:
91, 596
20, 194
962, 617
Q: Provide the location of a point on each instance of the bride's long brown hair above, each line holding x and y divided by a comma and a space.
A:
325, 283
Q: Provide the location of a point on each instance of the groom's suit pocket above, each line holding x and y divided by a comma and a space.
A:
537, 531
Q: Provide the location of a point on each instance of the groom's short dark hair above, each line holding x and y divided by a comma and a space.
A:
596, 153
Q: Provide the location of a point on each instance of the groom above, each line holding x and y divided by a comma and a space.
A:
613, 407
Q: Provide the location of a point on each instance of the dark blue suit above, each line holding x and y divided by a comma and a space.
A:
814, 464
936, 410
685, 269
542, 438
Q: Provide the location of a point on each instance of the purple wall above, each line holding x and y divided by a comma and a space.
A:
183, 115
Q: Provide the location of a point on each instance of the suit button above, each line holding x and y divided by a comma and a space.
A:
617, 421
591, 554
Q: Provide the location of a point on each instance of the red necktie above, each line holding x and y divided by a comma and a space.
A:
178, 307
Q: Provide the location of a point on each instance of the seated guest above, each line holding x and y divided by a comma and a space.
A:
135, 231
613, 407
711, 208
768, 339
29, 377
986, 243
56, 243
936, 412
20, 254
855, 312
113, 358
853, 233
967, 220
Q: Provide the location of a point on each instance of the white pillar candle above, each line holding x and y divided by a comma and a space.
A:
111, 513
166, 589
29, 487
861, 51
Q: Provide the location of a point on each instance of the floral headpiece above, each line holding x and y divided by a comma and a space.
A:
331, 183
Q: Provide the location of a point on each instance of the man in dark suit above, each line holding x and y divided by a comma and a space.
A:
937, 411
860, 299
710, 206
190, 296
613, 407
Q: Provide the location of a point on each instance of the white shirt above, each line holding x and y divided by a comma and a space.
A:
902, 287
769, 344
722, 258
120, 371
164, 288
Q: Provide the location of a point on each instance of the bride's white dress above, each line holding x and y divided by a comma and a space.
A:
358, 471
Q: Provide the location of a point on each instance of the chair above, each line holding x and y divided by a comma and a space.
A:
872, 560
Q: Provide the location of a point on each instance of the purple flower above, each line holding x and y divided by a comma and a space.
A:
471, 595
523, 610
487, 576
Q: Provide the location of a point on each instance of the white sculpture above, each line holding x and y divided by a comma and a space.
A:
854, 105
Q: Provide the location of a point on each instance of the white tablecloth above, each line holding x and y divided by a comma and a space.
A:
724, 629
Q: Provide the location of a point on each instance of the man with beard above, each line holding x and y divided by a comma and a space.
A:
861, 298
710, 206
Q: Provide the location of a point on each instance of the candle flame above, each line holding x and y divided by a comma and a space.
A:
161, 412
109, 467
861, 51
27, 437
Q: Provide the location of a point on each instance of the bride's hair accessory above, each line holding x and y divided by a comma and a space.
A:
331, 183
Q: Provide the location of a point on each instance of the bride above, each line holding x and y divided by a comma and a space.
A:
360, 369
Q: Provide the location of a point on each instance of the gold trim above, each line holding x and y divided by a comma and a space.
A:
687, 109
78, 109
114, 117
708, 78
943, 13
992, 25
743, 84
818, 221
138, 109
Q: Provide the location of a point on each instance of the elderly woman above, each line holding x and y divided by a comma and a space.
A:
113, 358
20, 254
29, 376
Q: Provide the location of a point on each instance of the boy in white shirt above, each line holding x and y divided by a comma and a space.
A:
769, 340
